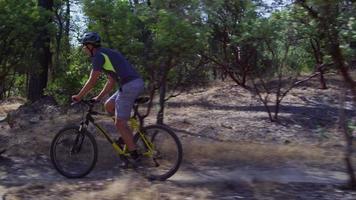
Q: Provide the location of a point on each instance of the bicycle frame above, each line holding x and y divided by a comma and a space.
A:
133, 124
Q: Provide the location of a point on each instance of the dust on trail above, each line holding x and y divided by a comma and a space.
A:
237, 172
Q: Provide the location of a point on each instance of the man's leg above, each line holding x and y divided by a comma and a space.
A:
110, 106
126, 133
121, 124
124, 103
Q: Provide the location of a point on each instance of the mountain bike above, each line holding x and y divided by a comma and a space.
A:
74, 150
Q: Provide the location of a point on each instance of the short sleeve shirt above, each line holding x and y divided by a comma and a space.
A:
114, 64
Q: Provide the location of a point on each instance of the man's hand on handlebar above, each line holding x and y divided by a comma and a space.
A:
96, 99
76, 98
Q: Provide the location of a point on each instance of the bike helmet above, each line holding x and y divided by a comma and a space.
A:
91, 38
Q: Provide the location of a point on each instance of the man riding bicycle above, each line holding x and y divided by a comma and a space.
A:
120, 71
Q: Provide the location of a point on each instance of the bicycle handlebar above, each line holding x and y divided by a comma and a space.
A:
89, 102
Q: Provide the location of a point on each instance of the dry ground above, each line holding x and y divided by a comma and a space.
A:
231, 150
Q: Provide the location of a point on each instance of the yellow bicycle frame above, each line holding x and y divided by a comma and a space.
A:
134, 125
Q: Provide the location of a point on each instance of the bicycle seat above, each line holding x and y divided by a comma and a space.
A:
142, 100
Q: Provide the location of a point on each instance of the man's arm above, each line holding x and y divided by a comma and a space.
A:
110, 84
94, 76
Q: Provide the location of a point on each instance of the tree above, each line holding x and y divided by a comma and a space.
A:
159, 39
232, 42
17, 32
175, 47
281, 58
39, 76
316, 44
62, 16
333, 19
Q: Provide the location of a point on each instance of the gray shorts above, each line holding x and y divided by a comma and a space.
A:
125, 98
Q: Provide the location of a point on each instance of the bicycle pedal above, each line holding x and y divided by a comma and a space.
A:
124, 165
120, 141
125, 162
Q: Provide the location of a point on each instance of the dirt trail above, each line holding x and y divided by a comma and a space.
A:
203, 175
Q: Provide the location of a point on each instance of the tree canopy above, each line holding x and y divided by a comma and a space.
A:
176, 45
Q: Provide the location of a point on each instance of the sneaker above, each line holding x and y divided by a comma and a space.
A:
135, 159
130, 163
124, 163
120, 142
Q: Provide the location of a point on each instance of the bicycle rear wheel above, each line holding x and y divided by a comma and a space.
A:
162, 153
73, 152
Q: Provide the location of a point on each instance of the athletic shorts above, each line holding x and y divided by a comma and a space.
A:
125, 98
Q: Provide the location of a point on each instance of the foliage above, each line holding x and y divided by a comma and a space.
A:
176, 44
17, 32
281, 59
232, 41
162, 40
334, 20
70, 82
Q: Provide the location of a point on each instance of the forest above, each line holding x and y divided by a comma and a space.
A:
269, 51
177, 45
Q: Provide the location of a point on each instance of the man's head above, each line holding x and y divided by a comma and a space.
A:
90, 41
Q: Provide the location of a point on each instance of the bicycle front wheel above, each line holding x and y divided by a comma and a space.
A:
73, 152
162, 151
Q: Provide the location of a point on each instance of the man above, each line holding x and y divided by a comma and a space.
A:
118, 70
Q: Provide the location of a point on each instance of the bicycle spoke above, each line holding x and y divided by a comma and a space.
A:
73, 154
165, 159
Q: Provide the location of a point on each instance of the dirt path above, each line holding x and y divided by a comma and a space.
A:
202, 176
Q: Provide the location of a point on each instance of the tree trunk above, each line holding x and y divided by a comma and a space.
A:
322, 80
318, 56
66, 38
2, 89
67, 23
348, 138
326, 26
107, 35
162, 96
340, 63
59, 37
244, 79
38, 78
339, 60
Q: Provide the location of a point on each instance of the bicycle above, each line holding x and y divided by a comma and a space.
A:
159, 146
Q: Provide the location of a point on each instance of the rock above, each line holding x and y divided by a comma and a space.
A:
2, 150
34, 120
338, 145
226, 125
47, 100
3, 118
186, 121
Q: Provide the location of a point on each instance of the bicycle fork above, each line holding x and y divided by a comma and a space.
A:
79, 139
77, 144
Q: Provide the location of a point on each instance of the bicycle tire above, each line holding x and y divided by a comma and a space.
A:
71, 145
152, 137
